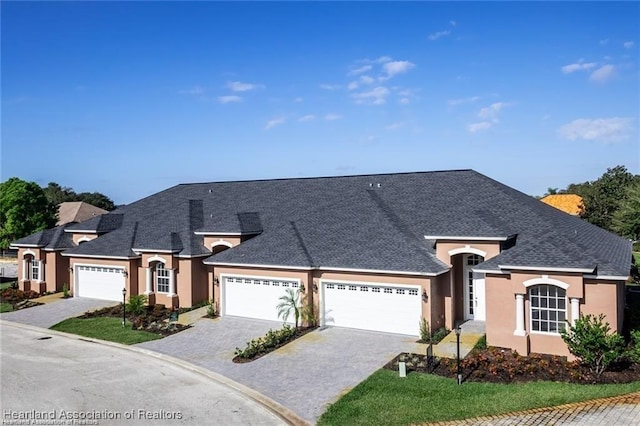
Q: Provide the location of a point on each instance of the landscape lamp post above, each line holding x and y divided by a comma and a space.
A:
124, 309
458, 353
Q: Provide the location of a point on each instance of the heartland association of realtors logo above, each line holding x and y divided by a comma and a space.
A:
90, 417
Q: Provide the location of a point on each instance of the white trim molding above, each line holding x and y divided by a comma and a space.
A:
545, 268
221, 242
229, 234
519, 331
156, 258
544, 279
575, 310
458, 238
84, 239
28, 252
467, 249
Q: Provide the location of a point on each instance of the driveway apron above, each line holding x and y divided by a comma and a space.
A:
304, 375
52, 313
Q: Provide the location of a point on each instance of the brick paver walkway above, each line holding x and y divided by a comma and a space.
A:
619, 410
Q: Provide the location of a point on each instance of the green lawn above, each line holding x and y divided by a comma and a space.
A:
105, 328
386, 399
6, 285
5, 307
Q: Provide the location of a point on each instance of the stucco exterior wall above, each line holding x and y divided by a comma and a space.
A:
212, 241
501, 315
80, 237
439, 287
25, 284
600, 297
443, 247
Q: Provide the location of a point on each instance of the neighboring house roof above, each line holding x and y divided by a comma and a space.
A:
568, 203
77, 211
383, 222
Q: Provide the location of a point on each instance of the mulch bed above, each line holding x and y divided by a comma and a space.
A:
155, 319
497, 365
300, 331
19, 299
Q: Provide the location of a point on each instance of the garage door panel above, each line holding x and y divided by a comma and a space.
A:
100, 282
255, 297
372, 307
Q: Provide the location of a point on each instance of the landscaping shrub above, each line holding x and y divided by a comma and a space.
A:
591, 341
439, 334
65, 290
482, 343
137, 303
212, 311
267, 343
634, 350
425, 331
12, 295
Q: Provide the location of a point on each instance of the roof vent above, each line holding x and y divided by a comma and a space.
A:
370, 185
211, 215
210, 190
378, 185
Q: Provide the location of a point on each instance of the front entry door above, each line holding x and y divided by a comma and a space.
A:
470, 290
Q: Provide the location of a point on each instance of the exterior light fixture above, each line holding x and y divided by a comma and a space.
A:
302, 289
425, 296
71, 269
125, 273
315, 287
216, 281
124, 309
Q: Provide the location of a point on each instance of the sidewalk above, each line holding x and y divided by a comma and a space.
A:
470, 333
618, 410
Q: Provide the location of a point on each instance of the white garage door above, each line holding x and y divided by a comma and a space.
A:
99, 282
254, 297
376, 307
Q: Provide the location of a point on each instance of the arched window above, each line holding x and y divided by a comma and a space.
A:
32, 268
162, 278
548, 305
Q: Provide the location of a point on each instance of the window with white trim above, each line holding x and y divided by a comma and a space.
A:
548, 305
35, 269
162, 278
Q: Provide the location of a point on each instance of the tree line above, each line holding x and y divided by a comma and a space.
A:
25, 207
611, 202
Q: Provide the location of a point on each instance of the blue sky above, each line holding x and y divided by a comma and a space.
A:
130, 98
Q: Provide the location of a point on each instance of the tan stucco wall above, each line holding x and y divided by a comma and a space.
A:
211, 241
168, 258
57, 271
596, 296
77, 237
600, 297
439, 287
26, 285
443, 247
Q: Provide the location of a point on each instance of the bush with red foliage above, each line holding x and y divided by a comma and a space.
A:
14, 295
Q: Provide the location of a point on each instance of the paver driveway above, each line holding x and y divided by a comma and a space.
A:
52, 313
303, 376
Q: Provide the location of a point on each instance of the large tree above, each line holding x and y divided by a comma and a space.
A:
97, 199
57, 194
24, 209
603, 197
626, 220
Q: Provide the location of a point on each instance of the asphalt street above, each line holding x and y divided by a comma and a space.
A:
54, 379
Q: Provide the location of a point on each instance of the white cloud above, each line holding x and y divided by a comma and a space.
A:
396, 67
491, 112
375, 96
332, 117
405, 101
274, 122
383, 59
365, 79
229, 99
600, 129
470, 100
330, 86
353, 85
196, 91
628, 44
476, 127
604, 41
238, 86
578, 66
360, 70
395, 126
308, 117
438, 35
603, 73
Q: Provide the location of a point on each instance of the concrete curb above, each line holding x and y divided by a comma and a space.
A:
279, 410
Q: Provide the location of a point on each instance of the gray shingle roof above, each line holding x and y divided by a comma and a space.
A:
357, 222
49, 239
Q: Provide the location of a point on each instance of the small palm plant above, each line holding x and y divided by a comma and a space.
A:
290, 302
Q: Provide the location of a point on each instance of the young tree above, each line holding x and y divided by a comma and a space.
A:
24, 209
591, 341
289, 303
